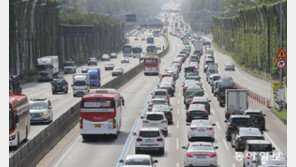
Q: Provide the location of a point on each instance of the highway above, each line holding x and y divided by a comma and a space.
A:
43, 89
107, 152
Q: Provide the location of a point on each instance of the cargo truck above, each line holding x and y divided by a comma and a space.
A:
81, 85
236, 102
48, 67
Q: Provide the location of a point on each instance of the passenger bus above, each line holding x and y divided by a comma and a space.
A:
151, 65
137, 50
100, 113
150, 40
19, 119
127, 49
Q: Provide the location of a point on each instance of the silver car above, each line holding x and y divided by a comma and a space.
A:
272, 161
201, 129
117, 71
200, 154
40, 110
125, 60
138, 160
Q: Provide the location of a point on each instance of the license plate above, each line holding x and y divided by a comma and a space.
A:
201, 130
149, 140
97, 125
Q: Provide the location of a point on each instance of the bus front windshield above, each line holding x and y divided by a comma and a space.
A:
97, 103
127, 49
150, 61
11, 119
137, 50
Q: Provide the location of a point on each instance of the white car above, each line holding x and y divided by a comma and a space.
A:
105, 57
156, 101
125, 60
150, 139
201, 129
200, 154
272, 161
139, 160
212, 78
113, 55
161, 93
157, 120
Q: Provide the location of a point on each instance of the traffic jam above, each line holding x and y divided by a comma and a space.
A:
190, 89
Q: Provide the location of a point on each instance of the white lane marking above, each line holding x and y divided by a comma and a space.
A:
179, 94
212, 111
177, 164
178, 125
66, 153
218, 125
177, 143
178, 111
206, 94
225, 144
273, 143
233, 165
178, 101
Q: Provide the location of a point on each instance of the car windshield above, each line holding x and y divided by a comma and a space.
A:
44, 67
194, 93
158, 102
200, 147
241, 121
154, 117
58, 81
79, 83
160, 93
38, 105
11, 119
260, 147
93, 77
160, 108
201, 123
149, 134
150, 61
137, 161
69, 64
97, 103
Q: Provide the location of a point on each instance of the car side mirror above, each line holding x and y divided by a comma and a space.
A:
121, 161
273, 148
225, 121
209, 100
72, 85
213, 124
155, 161
187, 124
184, 147
142, 117
216, 147
264, 115
135, 134
49, 107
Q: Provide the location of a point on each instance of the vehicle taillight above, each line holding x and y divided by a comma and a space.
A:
150, 104
145, 121
188, 112
164, 121
153, 96
170, 114
230, 126
81, 123
193, 128
139, 139
222, 101
159, 139
263, 138
209, 128
248, 155
240, 139
212, 155
206, 112
184, 88
172, 88
114, 123
208, 103
190, 155
188, 102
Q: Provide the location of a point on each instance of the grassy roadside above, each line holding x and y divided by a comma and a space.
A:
282, 114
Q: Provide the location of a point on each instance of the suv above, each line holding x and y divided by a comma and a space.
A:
59, 85
92, 61
105, 57
202, 100
167, 86
229, 66
69, 67
196, 111
253, 151
156, 101
257, 118
113, 55
239, 138
156, 119
165, 108
191, 92
161, 93
40, 110
150, 139
236, 121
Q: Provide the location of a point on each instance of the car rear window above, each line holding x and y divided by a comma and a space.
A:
158, 102
155, 117
137, 161
241, 121
200, 147
160, 93
149, 134
260, 147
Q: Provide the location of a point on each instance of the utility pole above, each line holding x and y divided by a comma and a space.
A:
281, 91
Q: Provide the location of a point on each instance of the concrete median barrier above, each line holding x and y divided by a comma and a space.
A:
34, 150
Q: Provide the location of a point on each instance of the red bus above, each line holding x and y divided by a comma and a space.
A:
151, 65
100, 113
19, 119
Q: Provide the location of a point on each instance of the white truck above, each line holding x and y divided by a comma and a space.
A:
236, 101
81, 85
48, 67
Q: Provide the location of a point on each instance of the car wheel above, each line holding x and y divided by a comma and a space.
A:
162, 151
66, 91
137, 151
26, 134
85, 137
220, 104
228, 138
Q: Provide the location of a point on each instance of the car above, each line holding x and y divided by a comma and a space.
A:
161, 93
234, 122
40, 110
212, 78
69, 67
158, 47
192, 76
109, 66
156, 101
125, 60
117, 71
105, 57
201, 129
191, 69
202, 100
143, 38
240, 137
257, 118
209, 56
229, 67
113, 56
166, 109
138, 160
84, 69
196, 111
200, 154
150, 139
167, 86
191, 92
187, 85
92, 61
136, 38
59, 85
169, 79
272, 161
253, 151
165, 75
156, 119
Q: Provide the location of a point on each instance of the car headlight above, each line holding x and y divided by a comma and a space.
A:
64, 87
45, 113
12, 137
52, 87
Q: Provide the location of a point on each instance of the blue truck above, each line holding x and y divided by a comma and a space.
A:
94, 77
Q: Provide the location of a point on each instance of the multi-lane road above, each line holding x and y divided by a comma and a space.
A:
73, 151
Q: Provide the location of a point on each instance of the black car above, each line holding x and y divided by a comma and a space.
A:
196, 111
257, 118
236, 121
59, 85
240, 138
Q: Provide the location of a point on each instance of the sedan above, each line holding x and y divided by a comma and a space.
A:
240, 137
165, 108
202, 100
109, 66
117, 71
138, 160
201, 129
200, 154
192, 76
125, 60
229, 67
156, 101
84, 69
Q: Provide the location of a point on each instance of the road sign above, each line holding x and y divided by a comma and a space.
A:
281, 63
282, 54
